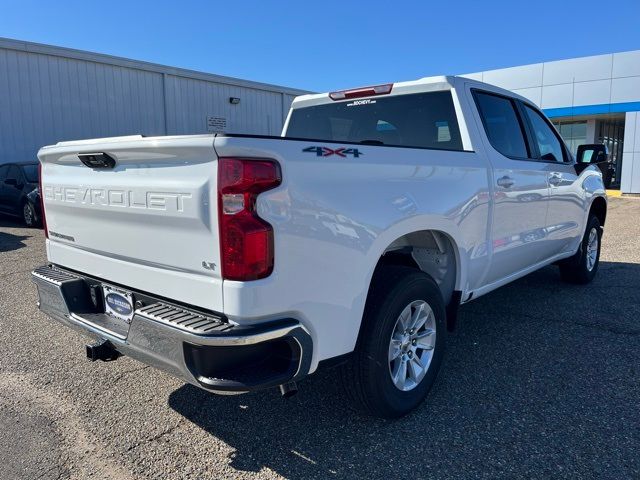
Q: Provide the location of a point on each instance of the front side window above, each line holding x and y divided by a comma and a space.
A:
502, 125
549, 145
423, 120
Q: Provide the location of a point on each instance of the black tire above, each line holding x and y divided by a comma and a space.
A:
576, 269
29, 215
366, 376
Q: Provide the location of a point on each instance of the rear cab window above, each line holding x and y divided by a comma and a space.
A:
421, 120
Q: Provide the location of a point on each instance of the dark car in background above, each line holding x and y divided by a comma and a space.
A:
20, 193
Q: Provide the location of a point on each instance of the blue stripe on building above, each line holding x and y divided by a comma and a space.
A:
592, 109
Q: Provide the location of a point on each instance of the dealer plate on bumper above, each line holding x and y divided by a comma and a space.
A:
118, 303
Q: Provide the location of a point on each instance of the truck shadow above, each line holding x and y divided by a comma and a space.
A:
540, 378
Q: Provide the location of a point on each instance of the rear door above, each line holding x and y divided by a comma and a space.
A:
566, 195
520, 188
150, 223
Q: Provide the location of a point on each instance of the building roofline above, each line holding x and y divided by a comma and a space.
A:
52, 50
546, 62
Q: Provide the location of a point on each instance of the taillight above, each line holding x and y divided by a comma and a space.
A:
44, 218
362, 92
246, 241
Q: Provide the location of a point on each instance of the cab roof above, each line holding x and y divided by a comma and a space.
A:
426, 84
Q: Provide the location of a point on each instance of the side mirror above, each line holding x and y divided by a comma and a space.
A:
11, 181
592, 153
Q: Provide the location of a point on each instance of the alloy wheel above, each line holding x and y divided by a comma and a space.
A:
592, 249
27, 214
412, 345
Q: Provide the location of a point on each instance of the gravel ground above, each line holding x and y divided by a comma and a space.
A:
541, 379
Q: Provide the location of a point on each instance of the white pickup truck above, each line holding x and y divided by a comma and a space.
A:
240, 262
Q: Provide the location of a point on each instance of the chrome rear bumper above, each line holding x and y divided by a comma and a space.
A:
202, 348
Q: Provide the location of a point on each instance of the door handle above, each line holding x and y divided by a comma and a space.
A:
505, 182
555, 179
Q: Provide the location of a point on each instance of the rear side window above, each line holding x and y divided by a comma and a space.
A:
549, 145
3, 172
502, 125
423, 120
14, 173
31, 173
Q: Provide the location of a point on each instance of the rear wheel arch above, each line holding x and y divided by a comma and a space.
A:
433, 252
398, 251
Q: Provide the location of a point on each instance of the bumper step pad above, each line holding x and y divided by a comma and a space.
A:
53, 275
184, 319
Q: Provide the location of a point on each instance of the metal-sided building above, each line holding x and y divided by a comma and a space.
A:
590, 100
49, 94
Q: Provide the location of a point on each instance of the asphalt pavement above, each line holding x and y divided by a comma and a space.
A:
541, 380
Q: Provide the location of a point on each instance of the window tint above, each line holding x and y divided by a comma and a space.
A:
14, 172
548, 143
3, 172
426, 120
31, 173
502, 125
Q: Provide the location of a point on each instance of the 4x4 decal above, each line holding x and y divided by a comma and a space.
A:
327, 152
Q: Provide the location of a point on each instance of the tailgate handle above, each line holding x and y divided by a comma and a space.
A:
97, 160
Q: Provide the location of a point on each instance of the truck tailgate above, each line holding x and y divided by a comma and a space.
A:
149, 223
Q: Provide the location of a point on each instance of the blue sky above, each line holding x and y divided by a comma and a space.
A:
331, 44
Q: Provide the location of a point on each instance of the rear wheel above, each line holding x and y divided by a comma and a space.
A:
401, 343
28, 215
583, 266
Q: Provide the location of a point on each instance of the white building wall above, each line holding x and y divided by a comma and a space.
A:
596, 80
49, 94
631, 154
